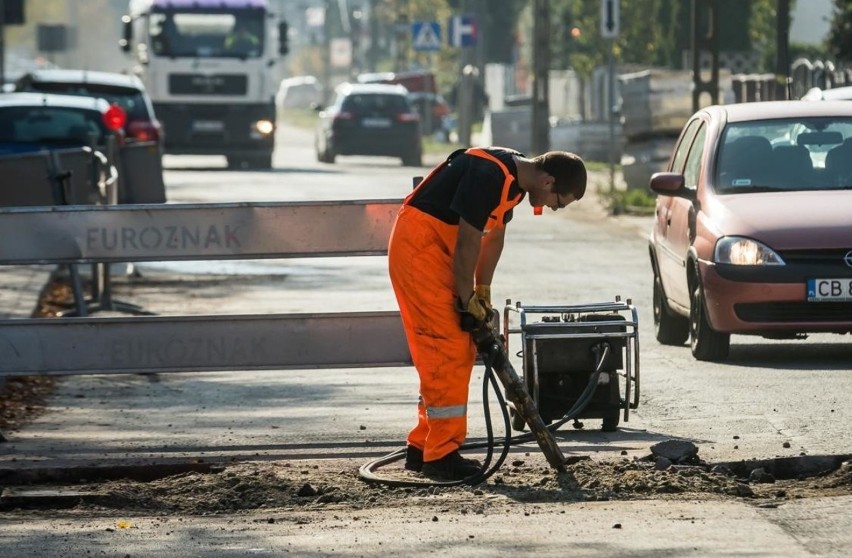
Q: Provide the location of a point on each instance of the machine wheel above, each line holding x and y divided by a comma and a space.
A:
518, 422
706, 343
610, 423
234, 162
670, 328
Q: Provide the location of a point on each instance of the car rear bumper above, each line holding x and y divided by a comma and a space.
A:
769, 307
390, 144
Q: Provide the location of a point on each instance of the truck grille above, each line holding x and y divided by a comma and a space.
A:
200, 84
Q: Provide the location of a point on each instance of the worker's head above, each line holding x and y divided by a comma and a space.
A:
567, 170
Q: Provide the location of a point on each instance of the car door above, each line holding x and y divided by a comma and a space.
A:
681, 218
669, 261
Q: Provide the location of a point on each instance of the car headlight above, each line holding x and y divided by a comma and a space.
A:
736, 250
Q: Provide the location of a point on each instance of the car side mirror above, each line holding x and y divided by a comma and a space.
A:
671, 184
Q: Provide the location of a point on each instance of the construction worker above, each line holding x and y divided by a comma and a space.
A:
444, 247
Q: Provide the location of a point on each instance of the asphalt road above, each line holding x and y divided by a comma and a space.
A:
770, 400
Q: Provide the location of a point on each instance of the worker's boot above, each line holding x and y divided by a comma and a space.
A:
451, 467
413, 458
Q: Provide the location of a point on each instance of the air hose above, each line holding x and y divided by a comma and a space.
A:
367, 472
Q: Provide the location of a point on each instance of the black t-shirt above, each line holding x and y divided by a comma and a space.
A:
468, 186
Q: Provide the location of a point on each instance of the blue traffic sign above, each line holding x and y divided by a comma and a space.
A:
426, 35
463, 31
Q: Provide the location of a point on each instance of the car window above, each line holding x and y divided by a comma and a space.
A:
372, 103
131, 100
49, 126
683, 147
693, 160
785, 154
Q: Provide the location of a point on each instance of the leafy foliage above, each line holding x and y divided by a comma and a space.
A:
653, 32
840, 32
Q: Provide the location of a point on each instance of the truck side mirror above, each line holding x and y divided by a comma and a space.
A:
283, 38
127, 37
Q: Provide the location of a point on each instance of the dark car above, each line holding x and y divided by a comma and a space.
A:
51, 148
124, 90
752, 232
35, 122
370, 119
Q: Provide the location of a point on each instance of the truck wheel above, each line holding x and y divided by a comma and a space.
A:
260, 161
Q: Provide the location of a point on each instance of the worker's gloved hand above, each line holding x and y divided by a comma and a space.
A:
476, 308
472, 314
483, 293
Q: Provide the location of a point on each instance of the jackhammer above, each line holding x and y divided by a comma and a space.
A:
558, 352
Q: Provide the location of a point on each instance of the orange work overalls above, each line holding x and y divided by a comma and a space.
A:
420, 261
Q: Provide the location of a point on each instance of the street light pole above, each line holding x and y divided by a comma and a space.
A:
541, 66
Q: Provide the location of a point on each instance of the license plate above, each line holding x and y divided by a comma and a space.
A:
829, 290
376, 123
208, 126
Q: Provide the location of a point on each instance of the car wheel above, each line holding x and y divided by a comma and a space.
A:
412, 160
669, 327
234, 162
706, 343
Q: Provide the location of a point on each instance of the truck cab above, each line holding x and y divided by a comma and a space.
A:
211, 69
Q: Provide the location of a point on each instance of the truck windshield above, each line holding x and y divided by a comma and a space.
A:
193, 34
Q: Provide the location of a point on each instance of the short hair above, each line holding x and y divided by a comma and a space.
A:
567, 168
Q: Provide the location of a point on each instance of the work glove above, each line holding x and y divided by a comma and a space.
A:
483, 293
476, 307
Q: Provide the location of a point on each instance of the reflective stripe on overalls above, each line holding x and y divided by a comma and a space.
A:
420, 260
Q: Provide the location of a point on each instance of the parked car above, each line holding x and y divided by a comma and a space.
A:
47, 140
35, 122
300, 92
833, 94
369, 119
125, 90
438, 111
752, 228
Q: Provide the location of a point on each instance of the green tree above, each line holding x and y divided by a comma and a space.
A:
840, 32
655, 32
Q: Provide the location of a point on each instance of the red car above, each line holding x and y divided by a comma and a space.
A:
753, 226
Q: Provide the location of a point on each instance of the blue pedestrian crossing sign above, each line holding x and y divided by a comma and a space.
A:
426, 35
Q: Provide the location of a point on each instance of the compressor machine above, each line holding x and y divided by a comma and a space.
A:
576, 360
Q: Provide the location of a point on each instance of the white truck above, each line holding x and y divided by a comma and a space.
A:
211, 68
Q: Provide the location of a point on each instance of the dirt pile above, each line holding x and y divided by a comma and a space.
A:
335, 485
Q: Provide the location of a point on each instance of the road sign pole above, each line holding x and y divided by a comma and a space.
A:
610, 27
611, 104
